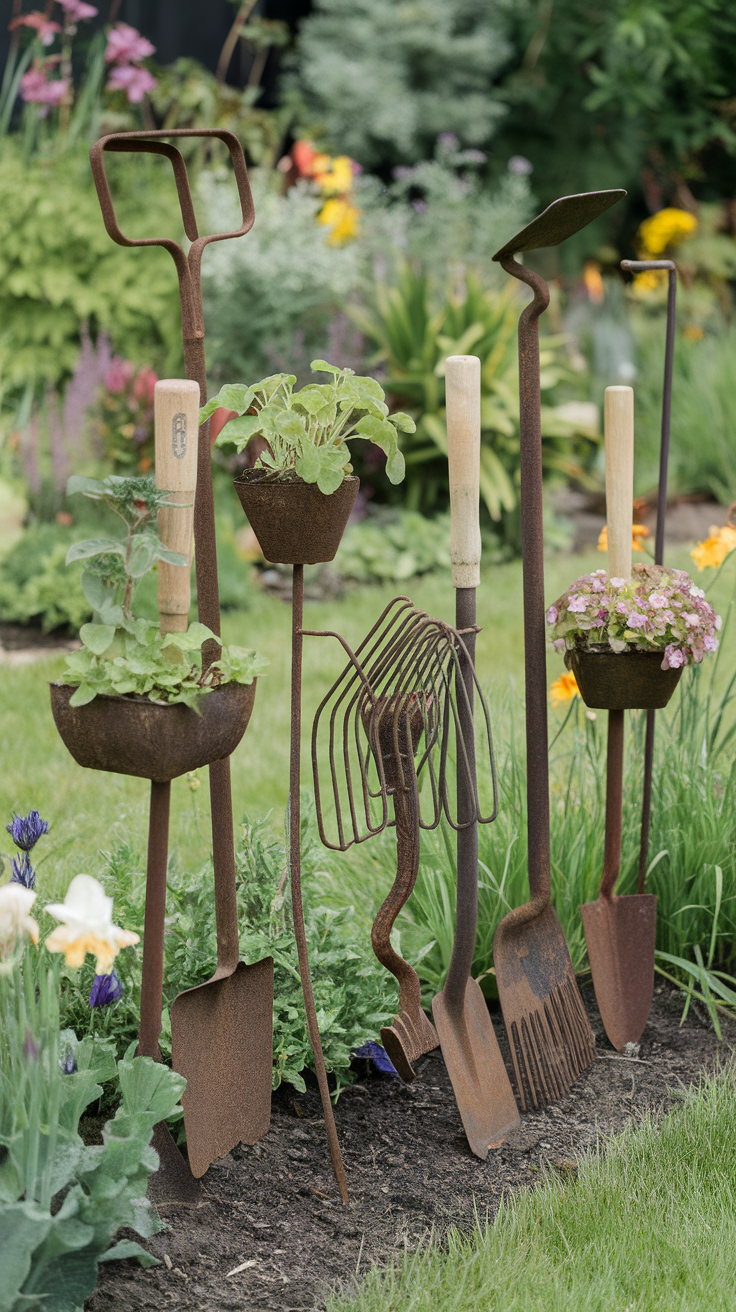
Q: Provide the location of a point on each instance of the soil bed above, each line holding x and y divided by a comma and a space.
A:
275, 1207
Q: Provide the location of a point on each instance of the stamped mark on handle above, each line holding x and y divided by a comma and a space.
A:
179, 436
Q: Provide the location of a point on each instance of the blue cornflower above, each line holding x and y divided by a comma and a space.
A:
378, 1055
27, 829
23, 872
106, 989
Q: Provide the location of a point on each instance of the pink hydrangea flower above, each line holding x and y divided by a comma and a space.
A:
552, 615
674, 657
134, 81
691, 619
657, 600
710, 643
125, 45
577, 605
635, 620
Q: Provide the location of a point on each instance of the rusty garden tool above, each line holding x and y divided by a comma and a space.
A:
222, 1101
642, 266
619, 931
469, 1046
549, 1033
399, 697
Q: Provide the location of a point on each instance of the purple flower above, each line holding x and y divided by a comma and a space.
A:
710, 643
23, 872
635, 620
378, 1055
673, 658
27, 829
552, 615
577, 605
68, 1062
106, 989
30, 1047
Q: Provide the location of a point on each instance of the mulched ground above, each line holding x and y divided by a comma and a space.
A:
275, 1208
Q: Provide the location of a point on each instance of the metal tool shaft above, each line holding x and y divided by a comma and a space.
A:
466, 911
614, 803
154, 922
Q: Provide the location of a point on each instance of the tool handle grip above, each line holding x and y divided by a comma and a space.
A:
176, 424
462, 390
619, 439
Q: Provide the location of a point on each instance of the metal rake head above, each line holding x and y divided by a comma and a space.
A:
393, 713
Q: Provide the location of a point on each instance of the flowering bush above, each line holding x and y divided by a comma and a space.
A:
712, 552
658, 610
334, 177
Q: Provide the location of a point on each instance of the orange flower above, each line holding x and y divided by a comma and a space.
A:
564, 689
713, 551
593, 281
638, 533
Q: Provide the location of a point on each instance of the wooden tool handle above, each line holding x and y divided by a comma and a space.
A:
462, 390
619, 439
176, 416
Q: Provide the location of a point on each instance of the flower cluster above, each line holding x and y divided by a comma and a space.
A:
713, 550
35, 86
126, 48
126, 412
658, 610
25, 831
638, 533
657, 235
334, 177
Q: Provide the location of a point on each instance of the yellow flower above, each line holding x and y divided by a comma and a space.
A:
638, 533
693, 333
87, 926
648, 281
666, 228
713, 551
563, 689
15, 923
336, 178
342, 217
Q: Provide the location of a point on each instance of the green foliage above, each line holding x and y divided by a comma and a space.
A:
646, 1222
353, 994
382, 80
392, 545
62, 1202
35, 584
60, 270
307, 432
414, 335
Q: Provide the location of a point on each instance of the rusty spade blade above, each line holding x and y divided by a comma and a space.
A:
549, 1034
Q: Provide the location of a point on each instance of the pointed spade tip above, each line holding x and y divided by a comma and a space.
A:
562, 219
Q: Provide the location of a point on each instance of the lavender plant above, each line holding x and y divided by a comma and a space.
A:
659, 609
25, 830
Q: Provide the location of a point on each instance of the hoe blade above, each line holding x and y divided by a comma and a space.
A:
549, 1033
222, 1043
620, 932
475, 1066
407, 1039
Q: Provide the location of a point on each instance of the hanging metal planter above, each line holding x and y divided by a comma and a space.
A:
294, 522
622, 681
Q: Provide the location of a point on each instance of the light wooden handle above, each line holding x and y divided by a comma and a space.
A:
619, 438
462, 390
176, 415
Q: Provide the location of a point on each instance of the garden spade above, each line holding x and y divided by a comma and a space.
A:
469, 1046
549, 1033
619, 931
221, 1030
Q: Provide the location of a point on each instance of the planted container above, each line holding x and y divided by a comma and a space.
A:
294, 522
623, 681
132, 735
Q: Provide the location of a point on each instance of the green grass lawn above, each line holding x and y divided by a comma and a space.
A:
87, 809
648, 1225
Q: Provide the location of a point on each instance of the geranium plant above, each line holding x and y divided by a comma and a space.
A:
122, 654
307, 431
659, 609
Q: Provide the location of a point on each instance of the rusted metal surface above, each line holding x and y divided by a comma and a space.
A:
641, 266
620, 931
173, 1181
549, 1034
560, 220
294, 522
131, 735
188, 267
623, 681
470, 1049
295, 868
399, 697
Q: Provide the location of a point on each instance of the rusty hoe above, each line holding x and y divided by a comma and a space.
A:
549, 1034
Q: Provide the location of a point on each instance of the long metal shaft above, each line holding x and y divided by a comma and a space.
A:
614, 803
466, 904
297, 908
154, 923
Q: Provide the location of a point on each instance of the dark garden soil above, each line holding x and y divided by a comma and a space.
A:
273, 1210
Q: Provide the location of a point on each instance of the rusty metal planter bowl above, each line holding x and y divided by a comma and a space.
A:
622, 681
294, 522
132, 735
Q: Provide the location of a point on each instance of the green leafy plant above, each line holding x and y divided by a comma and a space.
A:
307, 431
392, 544
122, 655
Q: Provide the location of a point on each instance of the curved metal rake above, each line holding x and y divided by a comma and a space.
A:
383, 729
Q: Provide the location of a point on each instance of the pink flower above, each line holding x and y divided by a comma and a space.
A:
657, 600
577, 605
134, 81
598, 585
552, 615
673, 658
37, 90
691, 619
635, 620
118, 375
710, 643
77, 9
45, 28
125, 45
144, 384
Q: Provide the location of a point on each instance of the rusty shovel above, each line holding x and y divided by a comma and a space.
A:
221, 1030
469, 1046
549, 1033
619, 931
